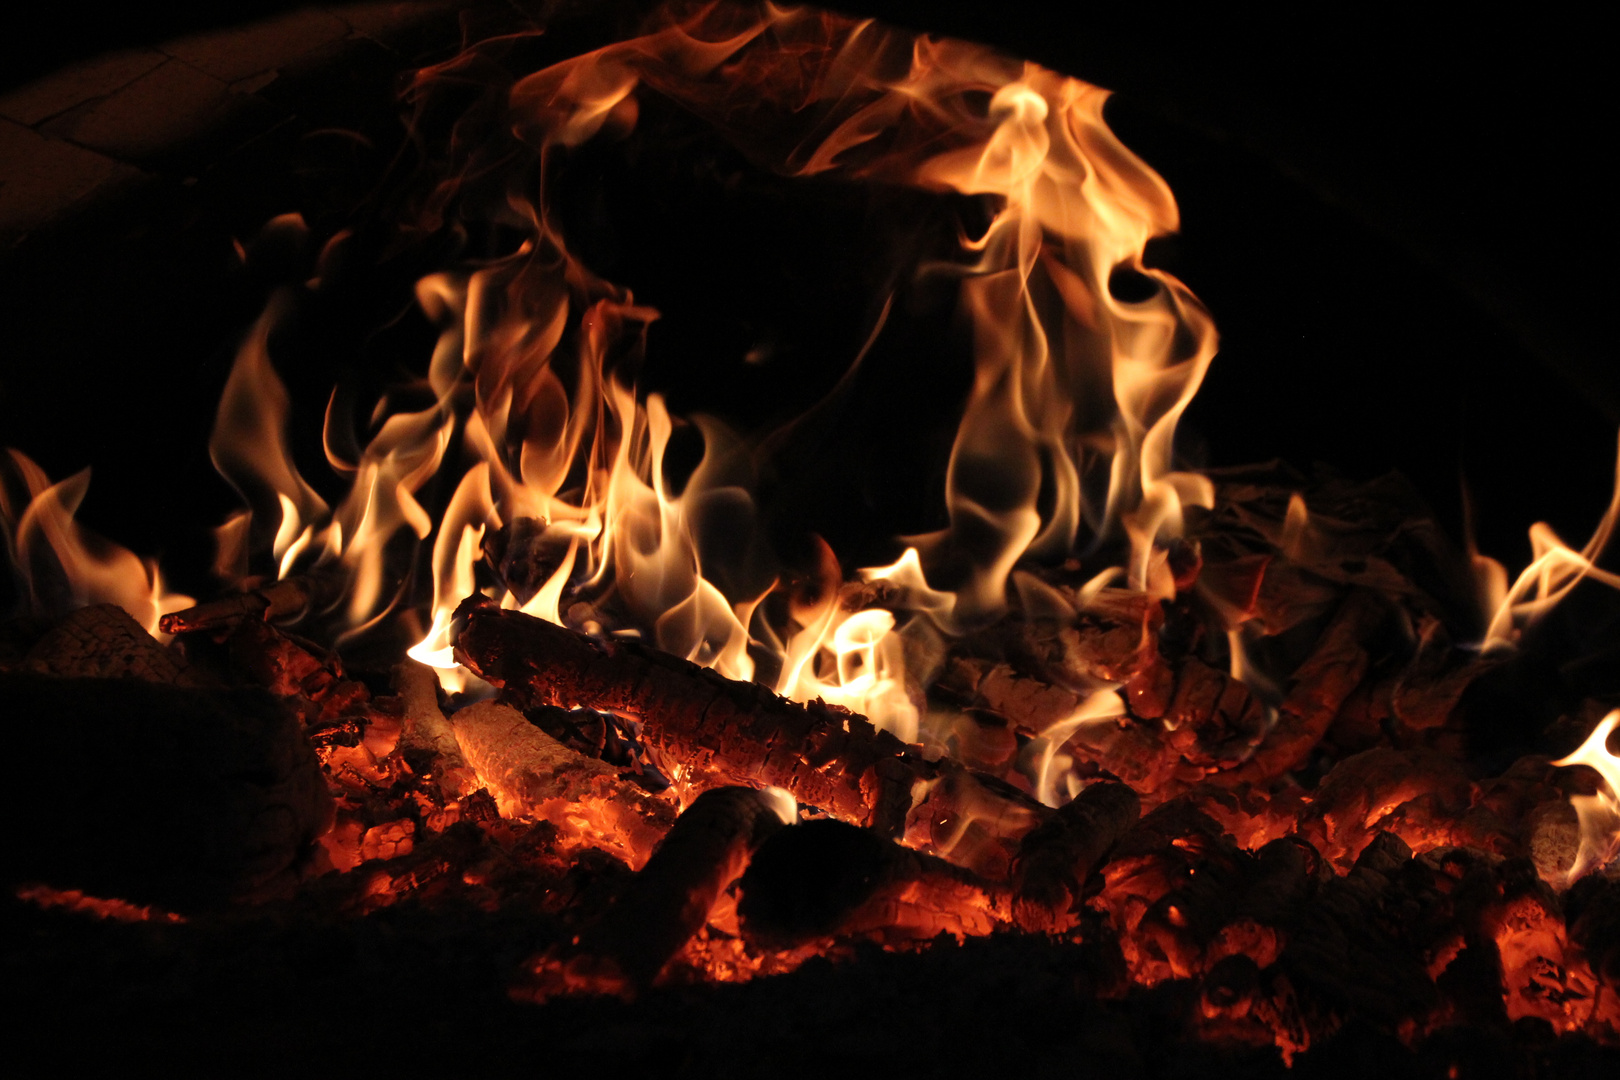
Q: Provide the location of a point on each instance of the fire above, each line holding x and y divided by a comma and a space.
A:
533, 377
58, 555
572, 498
1554, 571
1599, 813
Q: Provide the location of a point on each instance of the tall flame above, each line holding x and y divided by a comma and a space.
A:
563, 504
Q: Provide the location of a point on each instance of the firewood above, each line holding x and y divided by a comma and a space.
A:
826, 878
533, 775
1592, 907
1320, 685
972, 820
157, 794
1056, 858
291, 598
727, 733
428, 733
667, 901
723, 732
1390, 790
104, 642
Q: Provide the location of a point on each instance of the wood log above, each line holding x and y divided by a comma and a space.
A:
1055, 859
667, 901
534, 776
103, 642
292, 598
727, 733
721, 731
1319, 687
184, 798
826, 878
1419, 795
427, 733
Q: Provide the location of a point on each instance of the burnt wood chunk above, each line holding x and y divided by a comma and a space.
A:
1055, 859
1319, 687
826, 879
533, 775
184, 798
723, 731
103, 642
292, 598
669, 900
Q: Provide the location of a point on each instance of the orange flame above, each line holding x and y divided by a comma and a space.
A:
46, 543
1067, 430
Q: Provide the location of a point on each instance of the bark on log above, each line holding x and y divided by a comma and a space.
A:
668, 901
183, 798
827, 878
1056, 858
728, 733
724, 732
533, 775
104, 642
292, 598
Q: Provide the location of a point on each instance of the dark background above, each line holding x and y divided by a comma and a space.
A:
1399, 220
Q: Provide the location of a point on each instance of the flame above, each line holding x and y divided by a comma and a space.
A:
1600, 813
1067, 430
1554, 571
1054, 784
54, 552
531, 406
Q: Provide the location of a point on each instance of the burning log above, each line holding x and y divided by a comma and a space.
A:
826, 878
1057, 857
288, 599
669, 900
1320, 686
183, 798
427, 733
103, 642
973, 820
533, 775
1421, 796
724, 732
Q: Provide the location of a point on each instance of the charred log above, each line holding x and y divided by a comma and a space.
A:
103, 642
724, 732
826, 878
292, 598
668, 901
184, 798
533, 775
1056, 858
